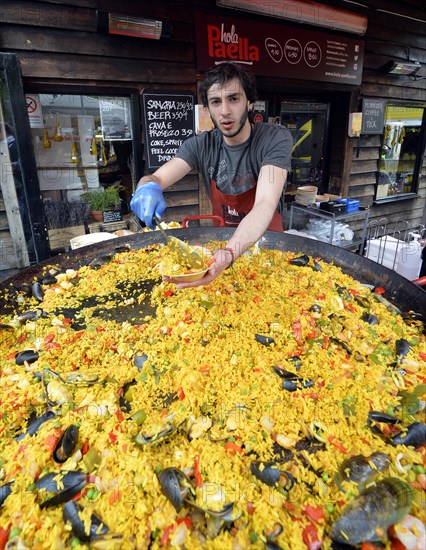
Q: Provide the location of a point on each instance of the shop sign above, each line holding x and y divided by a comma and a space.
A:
115, 119
373, 115
168, 122
278, 50
34, 111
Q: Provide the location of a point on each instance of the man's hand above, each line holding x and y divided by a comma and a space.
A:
223, 258
148, 202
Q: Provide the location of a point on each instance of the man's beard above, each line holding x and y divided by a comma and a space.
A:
242, 122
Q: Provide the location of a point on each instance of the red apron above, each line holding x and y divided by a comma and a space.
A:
226, 207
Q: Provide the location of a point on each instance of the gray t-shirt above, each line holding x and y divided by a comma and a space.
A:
236, 167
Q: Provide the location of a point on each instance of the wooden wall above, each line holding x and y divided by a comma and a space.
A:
57, 43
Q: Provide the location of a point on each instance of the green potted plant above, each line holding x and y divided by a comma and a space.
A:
102, 201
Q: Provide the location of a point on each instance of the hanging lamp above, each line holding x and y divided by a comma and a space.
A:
47, 144
57, 136
74, 154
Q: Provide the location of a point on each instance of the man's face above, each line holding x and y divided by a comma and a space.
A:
228, 107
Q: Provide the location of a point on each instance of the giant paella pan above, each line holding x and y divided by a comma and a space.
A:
280, 407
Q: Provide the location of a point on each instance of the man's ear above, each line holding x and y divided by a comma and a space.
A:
250, 106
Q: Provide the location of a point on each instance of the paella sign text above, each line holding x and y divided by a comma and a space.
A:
279, 50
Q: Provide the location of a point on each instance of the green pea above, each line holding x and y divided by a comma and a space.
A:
253, 537
75, 542
325, 476
14, 533
330, 508
31, 487
418, 469
89, 494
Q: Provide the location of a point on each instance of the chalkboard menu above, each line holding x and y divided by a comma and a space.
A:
168, 122
373, 115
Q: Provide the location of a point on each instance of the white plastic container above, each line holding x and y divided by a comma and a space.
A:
402, 257
91, 238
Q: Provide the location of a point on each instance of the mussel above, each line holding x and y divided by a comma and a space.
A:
175, 485
377, 508
362, 469
37, 291
62, 485
402, 347
49, 279
66, 444
71, 514
264, 340
5, 491
370, 318
300, 260
162, 433
291, 381
31, 315
35, 422
26, 356
139, 359
413, 435
270, 474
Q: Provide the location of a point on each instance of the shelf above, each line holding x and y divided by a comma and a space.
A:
333, 218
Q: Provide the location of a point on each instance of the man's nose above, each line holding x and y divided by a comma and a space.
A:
224, 108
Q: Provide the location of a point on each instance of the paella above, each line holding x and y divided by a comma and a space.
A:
280, 407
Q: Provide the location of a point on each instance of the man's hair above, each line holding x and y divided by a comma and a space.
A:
225, 72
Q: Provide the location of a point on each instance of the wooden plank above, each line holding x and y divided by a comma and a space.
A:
69, 67
2, 205
7, 186
361, 192
20, 38
189, 183
363, 166
178, 213
44, 15
73, 3
362, 179
60, 238
4, 224
181, 198
366, 154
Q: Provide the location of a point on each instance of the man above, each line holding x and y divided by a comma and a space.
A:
244, 166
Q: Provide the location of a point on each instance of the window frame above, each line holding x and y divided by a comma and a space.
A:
419, 156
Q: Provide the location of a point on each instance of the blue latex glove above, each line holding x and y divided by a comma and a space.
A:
148, 202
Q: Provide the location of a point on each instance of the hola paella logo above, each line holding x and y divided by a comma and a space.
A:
227, 44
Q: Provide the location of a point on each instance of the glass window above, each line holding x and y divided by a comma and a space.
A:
401, 151
81, 144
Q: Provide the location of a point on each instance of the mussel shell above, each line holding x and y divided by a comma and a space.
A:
296, 361
271, 545
5, 491
363, 469
139, 360
412, 436
283, 373
170, 480
70, 484
266, 472
141, 439
402, 347
3, 326
264, 340
35, 422
66, 445
300, 260
71, 514
31, 315
370, 319
378, 507
316, 266
49, 280
315, 308
342, 344
37, 291
28, 355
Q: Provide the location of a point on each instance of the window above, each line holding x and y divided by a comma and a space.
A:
401, 152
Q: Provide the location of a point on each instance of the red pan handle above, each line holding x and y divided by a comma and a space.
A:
421, 281
203, 217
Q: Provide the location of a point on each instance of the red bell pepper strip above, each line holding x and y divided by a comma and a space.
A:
197, 471
4, 535
181, 393
315, 513
233, 449
310, 537
166, 535
337, 444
